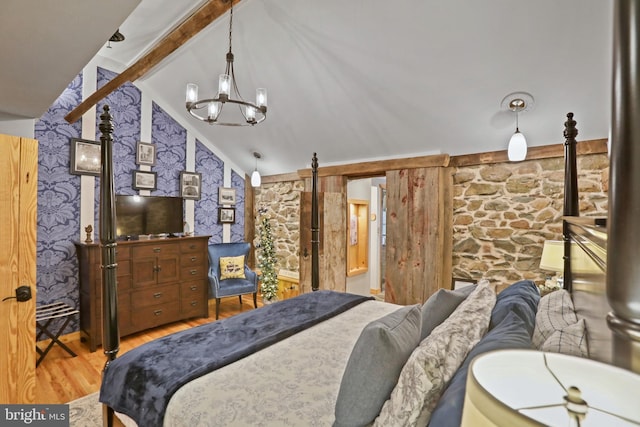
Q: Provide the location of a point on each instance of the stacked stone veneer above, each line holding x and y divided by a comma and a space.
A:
281, 203
504, 212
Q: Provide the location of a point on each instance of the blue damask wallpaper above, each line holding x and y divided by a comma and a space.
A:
237, 229
58, 203
171, 152
125, 107
206, 209
59, 191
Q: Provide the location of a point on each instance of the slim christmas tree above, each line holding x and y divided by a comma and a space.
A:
267, 262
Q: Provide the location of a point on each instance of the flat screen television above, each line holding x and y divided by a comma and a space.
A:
143, 215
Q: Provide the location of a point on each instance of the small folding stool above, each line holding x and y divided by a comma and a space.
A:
47, 313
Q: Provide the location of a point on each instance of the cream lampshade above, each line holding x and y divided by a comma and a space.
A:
534, 388
552, 258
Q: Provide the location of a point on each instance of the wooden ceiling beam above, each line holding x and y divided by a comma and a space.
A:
191, 26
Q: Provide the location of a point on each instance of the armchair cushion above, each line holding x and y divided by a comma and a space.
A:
232, 267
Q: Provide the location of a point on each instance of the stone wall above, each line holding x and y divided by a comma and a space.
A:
281, 203
504, 212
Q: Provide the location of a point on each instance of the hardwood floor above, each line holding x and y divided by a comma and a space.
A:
61, 378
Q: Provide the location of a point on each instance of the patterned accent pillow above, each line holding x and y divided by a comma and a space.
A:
436, 359
571, 340
232, 267
555, 312
385, 343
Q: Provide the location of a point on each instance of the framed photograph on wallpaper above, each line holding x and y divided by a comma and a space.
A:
84, 157
143, 180
227, 196
146, 154
190, 183
226, 215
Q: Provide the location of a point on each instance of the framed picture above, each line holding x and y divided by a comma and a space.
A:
84, 157
190, 183
226, 215
146, 154
227, 196
143, 180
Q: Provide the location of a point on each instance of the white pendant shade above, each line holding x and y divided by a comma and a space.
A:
517, 150
255, 179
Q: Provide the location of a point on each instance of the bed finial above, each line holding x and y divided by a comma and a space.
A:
315, 228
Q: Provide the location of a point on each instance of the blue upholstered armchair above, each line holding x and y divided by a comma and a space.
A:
219, 286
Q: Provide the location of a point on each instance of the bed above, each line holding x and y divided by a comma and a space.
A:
407, 365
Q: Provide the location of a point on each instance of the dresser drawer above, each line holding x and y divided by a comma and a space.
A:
155, 250
191, 273
191, 246
123, 253
193, 289
193, 307
154, 296
194, 259
148, 317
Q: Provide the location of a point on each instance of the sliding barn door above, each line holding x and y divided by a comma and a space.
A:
332, 253
18, 196
419, 233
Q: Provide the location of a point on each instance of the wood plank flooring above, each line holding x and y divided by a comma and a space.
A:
61, 378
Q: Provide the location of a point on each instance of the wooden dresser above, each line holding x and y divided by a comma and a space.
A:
159, 281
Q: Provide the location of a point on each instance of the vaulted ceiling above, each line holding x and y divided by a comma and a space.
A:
351, 80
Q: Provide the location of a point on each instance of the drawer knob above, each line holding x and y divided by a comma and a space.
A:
193, 272
193, 259
192, 246
157, 295
194, 288
157, 312
156, 250
194, 303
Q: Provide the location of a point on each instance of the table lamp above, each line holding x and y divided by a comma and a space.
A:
534, 388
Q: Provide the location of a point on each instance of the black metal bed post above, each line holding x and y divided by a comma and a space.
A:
623, 269
315, 228
110, 333
570, 194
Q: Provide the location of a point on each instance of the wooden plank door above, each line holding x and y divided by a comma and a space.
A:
333, 252
419, 230
18, 204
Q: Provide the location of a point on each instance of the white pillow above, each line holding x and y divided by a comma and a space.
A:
436, 359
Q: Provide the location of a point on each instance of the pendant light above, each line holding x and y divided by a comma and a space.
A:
517, 102
256, 180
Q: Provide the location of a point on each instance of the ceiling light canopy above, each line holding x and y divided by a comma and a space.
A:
210, 110
517, 102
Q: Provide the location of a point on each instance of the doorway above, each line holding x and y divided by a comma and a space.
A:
370, 281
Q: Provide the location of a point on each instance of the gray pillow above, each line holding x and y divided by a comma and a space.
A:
374, 366
439, 306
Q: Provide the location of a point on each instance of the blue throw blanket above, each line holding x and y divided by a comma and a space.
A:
141, 382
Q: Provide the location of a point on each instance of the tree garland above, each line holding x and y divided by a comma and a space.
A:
266, 262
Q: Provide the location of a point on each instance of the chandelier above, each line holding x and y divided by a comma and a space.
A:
211, 110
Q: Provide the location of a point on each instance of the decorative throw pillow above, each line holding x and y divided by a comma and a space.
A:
521, 297
374, 365
571, 339
555, 312
436, 359
232, 267
510, 333
439, 306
